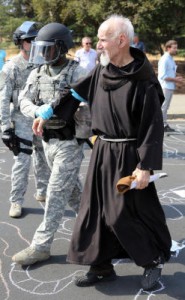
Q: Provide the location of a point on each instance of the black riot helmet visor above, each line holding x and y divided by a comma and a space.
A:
27, 31
44, 53
53, 41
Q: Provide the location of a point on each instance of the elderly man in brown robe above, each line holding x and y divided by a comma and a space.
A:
125, 100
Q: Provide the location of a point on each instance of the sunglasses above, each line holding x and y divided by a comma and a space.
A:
29, 40
88, 43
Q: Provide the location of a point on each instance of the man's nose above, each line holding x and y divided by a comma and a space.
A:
99, 46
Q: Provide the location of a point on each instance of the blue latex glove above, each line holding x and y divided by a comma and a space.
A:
77, 96
45, 111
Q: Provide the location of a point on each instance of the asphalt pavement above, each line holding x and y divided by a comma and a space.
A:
177, 107
53, 279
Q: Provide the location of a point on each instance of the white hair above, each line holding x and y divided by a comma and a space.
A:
116, 25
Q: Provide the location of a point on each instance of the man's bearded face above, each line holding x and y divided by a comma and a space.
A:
104, 59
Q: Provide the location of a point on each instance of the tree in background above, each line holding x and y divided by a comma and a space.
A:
12, 14
47, 11
156, 21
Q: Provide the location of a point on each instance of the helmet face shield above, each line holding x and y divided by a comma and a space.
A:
43, 52
27, 31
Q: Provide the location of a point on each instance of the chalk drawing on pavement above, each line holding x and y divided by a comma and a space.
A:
25, 279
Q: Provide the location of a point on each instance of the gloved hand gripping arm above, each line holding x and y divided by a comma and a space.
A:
64, 108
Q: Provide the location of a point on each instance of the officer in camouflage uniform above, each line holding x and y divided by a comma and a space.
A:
64, 152
16, 128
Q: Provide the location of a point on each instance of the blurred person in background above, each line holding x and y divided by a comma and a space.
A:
168, 79
86, 56
137, 43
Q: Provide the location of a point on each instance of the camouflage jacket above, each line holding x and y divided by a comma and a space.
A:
12, 80
42, 88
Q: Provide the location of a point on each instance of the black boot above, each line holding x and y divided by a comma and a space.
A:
99, 273
152, 274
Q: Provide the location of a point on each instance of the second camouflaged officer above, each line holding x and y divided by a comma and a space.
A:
16, 128
63, 151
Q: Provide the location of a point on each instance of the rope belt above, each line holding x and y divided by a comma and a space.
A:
107, 139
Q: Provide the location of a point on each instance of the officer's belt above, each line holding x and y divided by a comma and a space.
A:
61, 134
55, 124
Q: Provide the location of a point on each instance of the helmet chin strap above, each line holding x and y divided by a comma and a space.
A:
61, 57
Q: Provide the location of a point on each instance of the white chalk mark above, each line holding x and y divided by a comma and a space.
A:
4, 283
150, 293
56, 286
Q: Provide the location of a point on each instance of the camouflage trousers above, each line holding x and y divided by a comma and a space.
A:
19, 177
22, 162
20, 174
64, 159
40, 167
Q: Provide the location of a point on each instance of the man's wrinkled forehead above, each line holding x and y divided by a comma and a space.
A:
105, 34
106, 30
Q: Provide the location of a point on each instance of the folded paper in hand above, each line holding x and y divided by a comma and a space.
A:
129, 182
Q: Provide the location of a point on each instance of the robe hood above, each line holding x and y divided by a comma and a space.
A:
112, 77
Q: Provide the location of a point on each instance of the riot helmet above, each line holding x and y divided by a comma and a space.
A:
27, 31
52, 42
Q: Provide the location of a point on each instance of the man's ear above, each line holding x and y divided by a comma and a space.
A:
123, 40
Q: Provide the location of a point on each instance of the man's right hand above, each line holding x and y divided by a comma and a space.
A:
178, 79
37, 126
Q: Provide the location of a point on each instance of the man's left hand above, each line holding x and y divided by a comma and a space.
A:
142, 178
